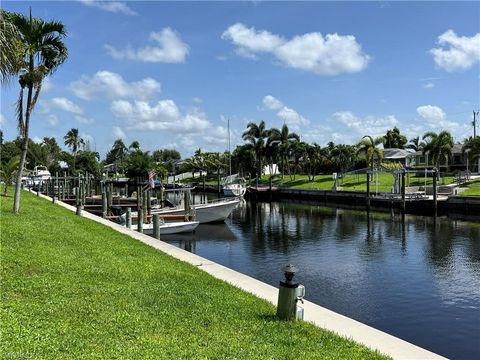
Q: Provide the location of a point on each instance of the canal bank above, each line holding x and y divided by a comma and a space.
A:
316, 314
467, 205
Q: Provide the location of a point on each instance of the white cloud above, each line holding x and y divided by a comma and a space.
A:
118, 133
60, 103
288, 115
435, 117
331, 54
112, 86
37, 140
252, 40
110, 6
428, 85
3, 119
52, 120
369, 125
84, 119
272, 103
164, 115
169, 49
456, 53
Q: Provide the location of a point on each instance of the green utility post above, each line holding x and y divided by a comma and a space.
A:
290, 293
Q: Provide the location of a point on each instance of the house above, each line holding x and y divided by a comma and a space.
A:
458, 161
395, 155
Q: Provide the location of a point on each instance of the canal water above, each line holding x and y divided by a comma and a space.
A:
417, 278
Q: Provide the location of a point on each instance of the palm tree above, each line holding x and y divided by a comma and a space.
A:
257, 135
12, 47
42, 52
394, 140
439, 146
134, 146
73, 141
119, 152
7, 172
415, 144
368, 146
472, 148
285, 139
216, 161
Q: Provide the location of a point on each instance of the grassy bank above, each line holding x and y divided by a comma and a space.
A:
384, 182
72, 288
473, 188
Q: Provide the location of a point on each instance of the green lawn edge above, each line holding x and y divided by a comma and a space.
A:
73, 288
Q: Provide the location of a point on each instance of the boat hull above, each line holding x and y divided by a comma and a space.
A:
172, 228
205, 213
234, 190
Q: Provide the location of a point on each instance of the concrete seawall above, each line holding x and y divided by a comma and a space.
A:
319, 316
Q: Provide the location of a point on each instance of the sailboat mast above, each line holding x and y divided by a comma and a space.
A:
229, 151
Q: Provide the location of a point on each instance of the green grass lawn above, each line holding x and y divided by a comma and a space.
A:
353, 182
473, 188
72, 288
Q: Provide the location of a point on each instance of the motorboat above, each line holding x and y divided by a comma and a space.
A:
215, 211
39, 175
176, 227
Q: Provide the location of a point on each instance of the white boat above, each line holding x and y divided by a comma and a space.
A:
216, 211
42, 172
39, 175
172, 227
234, 185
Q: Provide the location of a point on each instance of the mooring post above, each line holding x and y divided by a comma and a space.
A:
156, 226
140, 221
77, 199
128, 218
109, 198
403, 191
435, 191
149, 202
104, 199
368, 189
186, 204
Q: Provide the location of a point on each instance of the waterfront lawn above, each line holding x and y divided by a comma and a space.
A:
384, 182
473, 188
72, 288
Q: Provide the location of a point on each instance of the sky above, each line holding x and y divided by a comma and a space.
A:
174, 74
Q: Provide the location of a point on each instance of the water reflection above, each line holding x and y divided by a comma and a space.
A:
415, 277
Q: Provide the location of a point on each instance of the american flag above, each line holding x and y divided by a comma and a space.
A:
151, 175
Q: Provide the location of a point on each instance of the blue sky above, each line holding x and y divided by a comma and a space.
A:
170, 74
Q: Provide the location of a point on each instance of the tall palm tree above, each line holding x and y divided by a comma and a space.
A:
439, 146
368, 146
43, 51
11, 47
74, 142
119, 152
285, 138
257, 135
